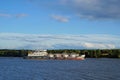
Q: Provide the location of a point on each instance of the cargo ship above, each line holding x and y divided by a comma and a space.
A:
43, 55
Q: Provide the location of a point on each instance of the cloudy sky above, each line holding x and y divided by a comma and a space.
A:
59, 24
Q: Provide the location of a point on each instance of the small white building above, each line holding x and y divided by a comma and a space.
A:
58, 55
50, 55
65, 55
73, 55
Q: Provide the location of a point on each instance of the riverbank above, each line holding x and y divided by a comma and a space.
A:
92, 53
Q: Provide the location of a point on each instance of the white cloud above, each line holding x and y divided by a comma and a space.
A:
21, 15
4, 15
34, 41
11, 15
99, 45
60, 18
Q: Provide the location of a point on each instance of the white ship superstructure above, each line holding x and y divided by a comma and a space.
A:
38, 53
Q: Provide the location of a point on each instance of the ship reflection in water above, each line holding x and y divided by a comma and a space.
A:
43, 55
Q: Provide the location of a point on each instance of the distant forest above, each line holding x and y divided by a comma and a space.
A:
92, 53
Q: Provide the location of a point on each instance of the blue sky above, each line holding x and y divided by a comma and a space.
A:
67, 24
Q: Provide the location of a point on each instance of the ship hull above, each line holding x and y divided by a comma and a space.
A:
36, 57
47, 58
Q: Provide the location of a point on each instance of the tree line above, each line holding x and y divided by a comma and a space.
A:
13, 53
92, 53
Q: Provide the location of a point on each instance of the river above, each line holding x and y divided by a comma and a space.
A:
88, 69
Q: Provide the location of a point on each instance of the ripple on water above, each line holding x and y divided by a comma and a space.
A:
89, 69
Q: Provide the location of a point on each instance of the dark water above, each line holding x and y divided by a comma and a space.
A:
89, 69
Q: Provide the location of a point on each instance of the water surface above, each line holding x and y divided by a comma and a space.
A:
88, 69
